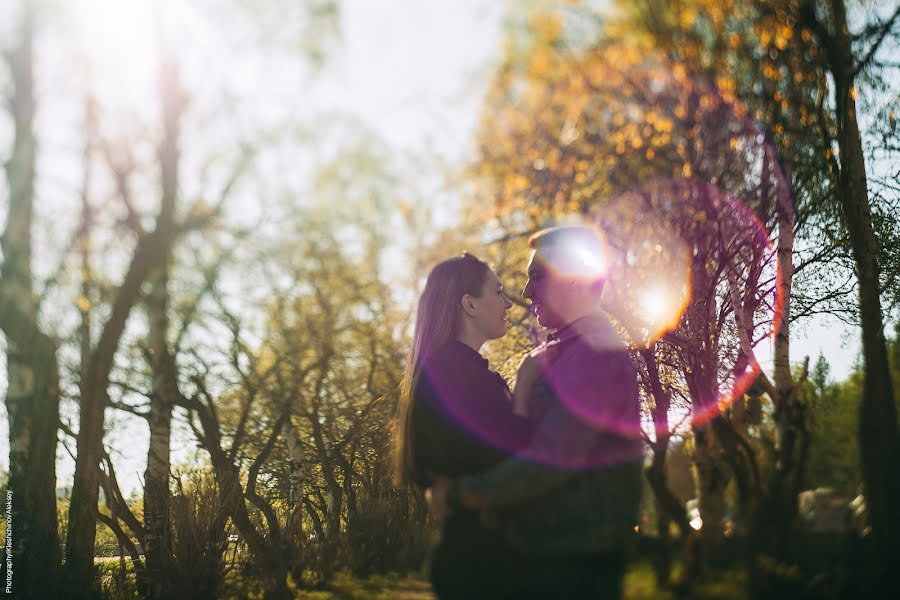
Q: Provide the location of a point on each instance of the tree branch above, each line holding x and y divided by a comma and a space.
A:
881, 35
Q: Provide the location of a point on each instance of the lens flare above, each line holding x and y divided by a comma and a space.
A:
582, 256
691, 275
653, 303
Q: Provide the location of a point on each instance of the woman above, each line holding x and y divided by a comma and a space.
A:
451, 403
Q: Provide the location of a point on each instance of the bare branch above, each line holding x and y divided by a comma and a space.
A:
881, 34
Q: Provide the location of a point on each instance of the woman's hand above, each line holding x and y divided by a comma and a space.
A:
436, 498
526, 376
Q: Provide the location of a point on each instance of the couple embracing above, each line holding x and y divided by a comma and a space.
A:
536, 488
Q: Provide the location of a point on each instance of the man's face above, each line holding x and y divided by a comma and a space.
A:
546, 292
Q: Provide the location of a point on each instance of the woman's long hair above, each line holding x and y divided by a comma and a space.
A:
438, 320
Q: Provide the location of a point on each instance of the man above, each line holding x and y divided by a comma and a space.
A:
569, 501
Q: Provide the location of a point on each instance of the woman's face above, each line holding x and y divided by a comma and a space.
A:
490, 308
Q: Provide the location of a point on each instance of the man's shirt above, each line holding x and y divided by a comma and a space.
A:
577, 486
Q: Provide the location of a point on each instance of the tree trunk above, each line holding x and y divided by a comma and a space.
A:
335, 504
94, 400
268, 555
713, 473
119, 511
150, 252
165, 381
713, 476
666, 501
879, 439
157, 540
669, 510
777, 509
85, 495
294, 526
349, 491
669, 507
32, 398
316, 520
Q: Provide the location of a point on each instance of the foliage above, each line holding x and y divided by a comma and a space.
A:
199, 540
833, 414
834, 450
384, 539
117, 580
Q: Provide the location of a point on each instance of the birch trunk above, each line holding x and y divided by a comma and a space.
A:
165, 381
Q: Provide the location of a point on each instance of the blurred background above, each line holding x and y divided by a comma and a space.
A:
217, 216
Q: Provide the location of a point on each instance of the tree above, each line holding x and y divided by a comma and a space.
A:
784, 59
664, 161
32, 399
149, 252
163, 398
834, 453
879, 432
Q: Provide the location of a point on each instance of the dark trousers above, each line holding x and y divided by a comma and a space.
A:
589, 576
473, 563
470, 562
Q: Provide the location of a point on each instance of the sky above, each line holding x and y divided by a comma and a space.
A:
413, 72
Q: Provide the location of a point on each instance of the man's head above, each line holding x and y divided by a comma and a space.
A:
566, 273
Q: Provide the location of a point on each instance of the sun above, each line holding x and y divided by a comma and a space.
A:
653, 302
116, 46
661, 307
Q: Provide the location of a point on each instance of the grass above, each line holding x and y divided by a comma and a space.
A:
377, 587
640, 584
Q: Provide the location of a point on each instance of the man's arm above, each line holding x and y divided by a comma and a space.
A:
563, 442
527, 475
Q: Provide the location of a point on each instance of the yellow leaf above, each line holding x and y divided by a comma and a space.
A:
539, 63
688, 17
547, 26
781, 42
82, 303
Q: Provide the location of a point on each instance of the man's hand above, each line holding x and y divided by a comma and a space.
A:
436, 498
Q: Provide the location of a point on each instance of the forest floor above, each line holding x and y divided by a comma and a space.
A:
376, 587
639, 585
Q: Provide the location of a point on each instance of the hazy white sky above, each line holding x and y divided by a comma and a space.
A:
411, 71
